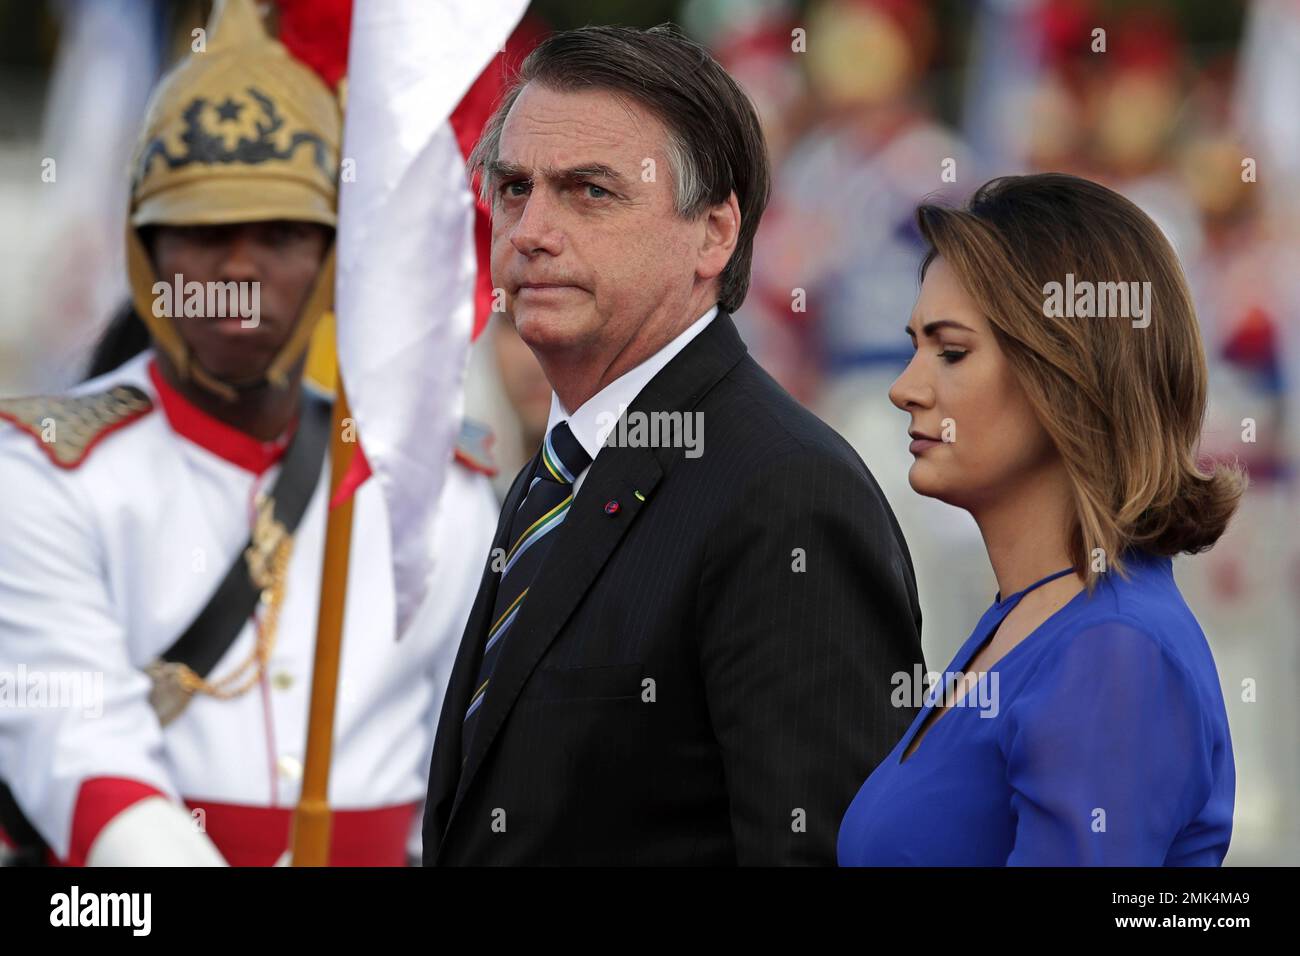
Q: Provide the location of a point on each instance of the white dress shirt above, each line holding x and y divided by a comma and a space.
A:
594, 418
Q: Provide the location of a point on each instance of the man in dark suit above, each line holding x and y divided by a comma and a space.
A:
685, 640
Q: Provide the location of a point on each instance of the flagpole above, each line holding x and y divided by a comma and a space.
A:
311, 821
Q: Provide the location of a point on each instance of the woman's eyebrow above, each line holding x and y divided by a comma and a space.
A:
930, 327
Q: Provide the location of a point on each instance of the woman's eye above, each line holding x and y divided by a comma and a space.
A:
952, 356
515, 189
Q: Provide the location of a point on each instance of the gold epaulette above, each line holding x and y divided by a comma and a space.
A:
67, 427
474, 447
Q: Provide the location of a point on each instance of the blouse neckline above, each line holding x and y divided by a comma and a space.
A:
1004, 607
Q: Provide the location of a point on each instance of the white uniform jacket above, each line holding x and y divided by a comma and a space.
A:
112, 539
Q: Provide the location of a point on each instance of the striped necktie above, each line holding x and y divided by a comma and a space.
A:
550, 493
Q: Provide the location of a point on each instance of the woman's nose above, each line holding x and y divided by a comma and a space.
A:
910, 390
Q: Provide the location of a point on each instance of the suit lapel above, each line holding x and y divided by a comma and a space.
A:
586, 539
446, 768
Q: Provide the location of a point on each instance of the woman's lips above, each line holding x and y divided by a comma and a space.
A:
921, 443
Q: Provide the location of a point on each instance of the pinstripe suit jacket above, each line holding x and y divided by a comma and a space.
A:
703, 676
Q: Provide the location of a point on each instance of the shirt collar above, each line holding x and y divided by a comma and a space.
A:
211, 434
596, 417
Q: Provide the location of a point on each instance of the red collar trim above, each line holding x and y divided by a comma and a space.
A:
211, 434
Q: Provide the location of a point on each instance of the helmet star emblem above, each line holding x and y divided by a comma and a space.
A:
229, 110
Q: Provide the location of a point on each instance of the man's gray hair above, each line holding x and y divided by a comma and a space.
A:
715, 144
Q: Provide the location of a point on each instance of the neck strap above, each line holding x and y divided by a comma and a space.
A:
1037, 584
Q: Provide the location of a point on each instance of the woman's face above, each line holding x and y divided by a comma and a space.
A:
975, 437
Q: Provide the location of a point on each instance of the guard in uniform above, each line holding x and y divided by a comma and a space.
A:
163, 523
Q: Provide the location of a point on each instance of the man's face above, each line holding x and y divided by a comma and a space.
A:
282, 257
586, 241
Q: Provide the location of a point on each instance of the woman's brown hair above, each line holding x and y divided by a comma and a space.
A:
1123, 401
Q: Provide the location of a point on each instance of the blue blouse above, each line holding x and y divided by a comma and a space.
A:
1101, 739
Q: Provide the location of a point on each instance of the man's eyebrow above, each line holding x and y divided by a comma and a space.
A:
930, 327
587, 171
498, 169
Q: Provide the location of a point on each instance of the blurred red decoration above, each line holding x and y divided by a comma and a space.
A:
316, 32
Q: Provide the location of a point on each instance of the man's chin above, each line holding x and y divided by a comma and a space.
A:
235, 356
547, 330
234, 370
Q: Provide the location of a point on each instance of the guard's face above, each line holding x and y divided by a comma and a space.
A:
586, 242
979, 440
272, 266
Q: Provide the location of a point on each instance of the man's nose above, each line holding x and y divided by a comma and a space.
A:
910, 390
239, 260
535, 230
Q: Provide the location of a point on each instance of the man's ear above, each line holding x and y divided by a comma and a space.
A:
721, 233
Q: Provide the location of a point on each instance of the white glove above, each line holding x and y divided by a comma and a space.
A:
153, 832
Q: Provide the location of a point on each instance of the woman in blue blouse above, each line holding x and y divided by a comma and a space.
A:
1057, 393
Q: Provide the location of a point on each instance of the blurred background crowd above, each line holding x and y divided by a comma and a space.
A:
1189, 107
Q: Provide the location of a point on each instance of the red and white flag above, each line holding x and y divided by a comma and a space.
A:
408, 265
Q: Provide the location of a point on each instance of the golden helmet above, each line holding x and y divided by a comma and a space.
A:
240, 131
